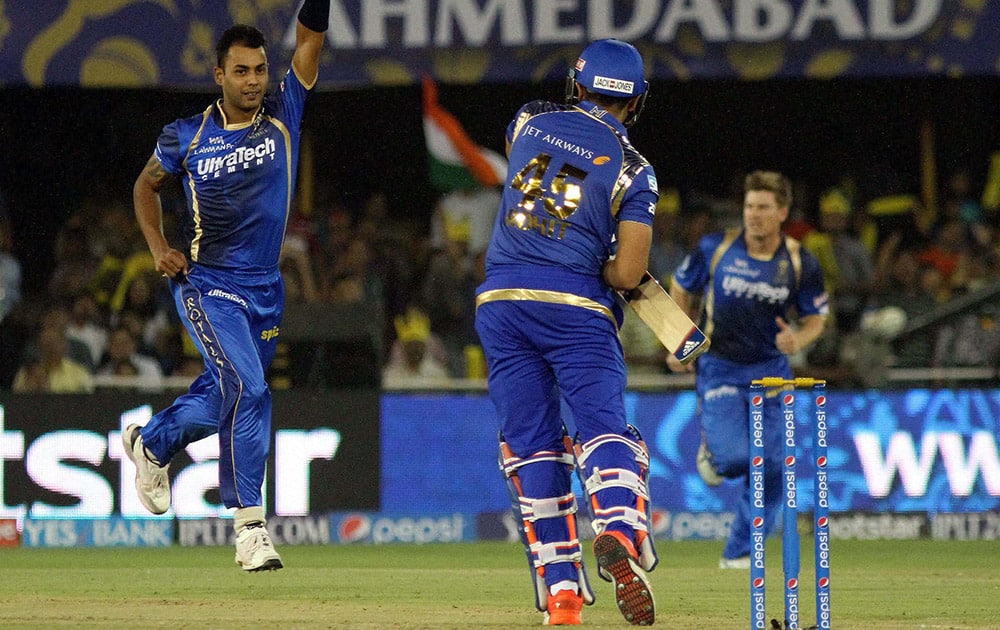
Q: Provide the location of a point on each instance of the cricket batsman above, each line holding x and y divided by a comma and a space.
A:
574, 227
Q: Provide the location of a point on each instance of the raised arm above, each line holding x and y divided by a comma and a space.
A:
314, 17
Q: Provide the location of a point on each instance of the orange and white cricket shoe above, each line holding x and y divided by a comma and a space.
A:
616, 556
564, 609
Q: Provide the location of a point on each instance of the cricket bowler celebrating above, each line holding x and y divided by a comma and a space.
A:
574, 226
748, 281
237, 162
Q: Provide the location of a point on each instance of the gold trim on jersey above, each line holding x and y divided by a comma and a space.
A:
307, 86
236, 126
730, 237
541, 295
290, 184
195, 204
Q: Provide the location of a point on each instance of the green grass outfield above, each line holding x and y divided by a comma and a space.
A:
874, 585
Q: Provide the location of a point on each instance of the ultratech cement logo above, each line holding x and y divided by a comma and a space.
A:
241, 158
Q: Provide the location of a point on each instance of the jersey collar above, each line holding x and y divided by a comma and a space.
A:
598, 112
235, 126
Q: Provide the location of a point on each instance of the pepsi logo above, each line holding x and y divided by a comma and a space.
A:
354, 528
757, 401
793, 583
821, 461
660, 521
758, 582
822, 521
8, 530
757, 461
821, 401
758, 521
788, 399
823, 582
790, 460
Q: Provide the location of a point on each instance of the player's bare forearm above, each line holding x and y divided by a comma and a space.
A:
310, 33
810, 328
149, 216
626, 270
790, 340
689, 302
146, 200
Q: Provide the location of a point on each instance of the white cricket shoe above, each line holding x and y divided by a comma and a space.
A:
254, 551
151, 480
705, 468
735, 563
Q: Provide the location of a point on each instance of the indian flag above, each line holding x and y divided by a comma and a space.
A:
456, 161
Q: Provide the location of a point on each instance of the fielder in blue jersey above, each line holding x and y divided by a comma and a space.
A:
237, 164
573, 226
748, 282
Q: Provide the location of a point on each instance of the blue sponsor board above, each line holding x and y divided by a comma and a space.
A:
965, 526
666, 525
920, 450
205, 532
137, 42
284, 530
105, 532
384, 528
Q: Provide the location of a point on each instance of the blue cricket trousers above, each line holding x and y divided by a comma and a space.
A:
234, 318
723, 387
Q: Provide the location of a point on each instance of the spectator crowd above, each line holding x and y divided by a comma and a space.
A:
106, 318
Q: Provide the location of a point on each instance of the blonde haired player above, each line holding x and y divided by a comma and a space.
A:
748, 282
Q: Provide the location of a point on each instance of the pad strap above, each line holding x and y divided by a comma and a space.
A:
595, 479
531, 510
542, 554
616, 478
534, 509
510, 462
603, 517
586, 450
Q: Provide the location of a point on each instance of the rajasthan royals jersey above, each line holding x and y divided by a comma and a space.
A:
744, 295
573, 176
238, 178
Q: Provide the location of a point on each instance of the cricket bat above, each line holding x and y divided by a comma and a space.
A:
671, 325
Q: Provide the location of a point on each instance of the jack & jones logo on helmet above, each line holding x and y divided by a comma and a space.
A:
615, 85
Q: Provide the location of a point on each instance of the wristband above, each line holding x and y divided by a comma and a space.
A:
315, 15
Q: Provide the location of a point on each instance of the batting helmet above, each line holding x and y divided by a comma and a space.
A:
610, 67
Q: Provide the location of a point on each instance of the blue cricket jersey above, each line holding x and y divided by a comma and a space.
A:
573, 175
238, 178
746, 294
